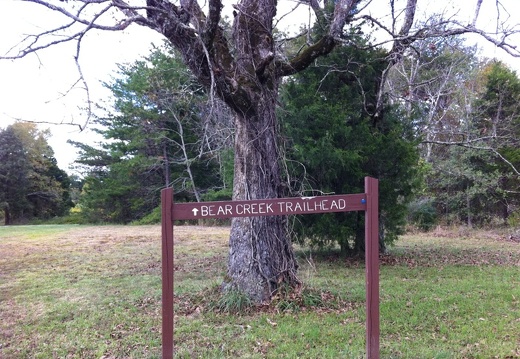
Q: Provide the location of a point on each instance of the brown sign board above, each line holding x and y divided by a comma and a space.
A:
270, 207
367, 202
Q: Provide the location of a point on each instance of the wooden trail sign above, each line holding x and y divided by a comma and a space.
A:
269, 207
367, 202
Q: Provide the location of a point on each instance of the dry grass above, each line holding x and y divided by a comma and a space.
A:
94, 292
87, 291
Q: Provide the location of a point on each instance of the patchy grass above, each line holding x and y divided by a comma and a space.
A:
94, 292
79, 292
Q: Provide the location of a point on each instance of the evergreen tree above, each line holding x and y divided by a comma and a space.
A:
157, 135
14, 169
31, 183
334, 141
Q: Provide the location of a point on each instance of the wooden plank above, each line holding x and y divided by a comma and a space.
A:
167, 273
270, 207
372, 267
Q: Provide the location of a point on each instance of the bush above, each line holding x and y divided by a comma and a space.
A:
224, 194
422, 213
75, 216
514, 219
153, 217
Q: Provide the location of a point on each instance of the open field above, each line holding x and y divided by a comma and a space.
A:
94, 292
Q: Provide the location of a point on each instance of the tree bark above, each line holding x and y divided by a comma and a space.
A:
261, 258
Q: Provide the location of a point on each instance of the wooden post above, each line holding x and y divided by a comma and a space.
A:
367, 201
167, 272
372, 267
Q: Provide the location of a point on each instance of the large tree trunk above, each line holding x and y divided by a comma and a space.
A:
246, 77
260, 256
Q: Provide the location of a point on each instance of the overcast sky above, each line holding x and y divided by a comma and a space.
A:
32, 88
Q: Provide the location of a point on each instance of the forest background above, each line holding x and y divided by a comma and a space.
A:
447, 152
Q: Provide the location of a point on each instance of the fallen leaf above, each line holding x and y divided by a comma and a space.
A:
274, 324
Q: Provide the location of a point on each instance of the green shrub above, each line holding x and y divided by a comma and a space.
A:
514, 219
224, 194
422, 213
153, 217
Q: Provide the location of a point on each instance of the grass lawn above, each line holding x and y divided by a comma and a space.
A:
95, 292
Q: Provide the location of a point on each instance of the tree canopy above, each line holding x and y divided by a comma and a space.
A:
157, 134
456, 102
31, 183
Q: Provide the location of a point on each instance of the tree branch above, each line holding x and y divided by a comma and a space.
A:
211, 26
477, 11
302, 61
467, 144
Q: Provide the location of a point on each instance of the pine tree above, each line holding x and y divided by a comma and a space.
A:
158, 133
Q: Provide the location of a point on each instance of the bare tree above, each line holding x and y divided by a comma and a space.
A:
244, 70
432, 85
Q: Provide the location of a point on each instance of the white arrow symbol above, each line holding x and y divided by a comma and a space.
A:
195, 211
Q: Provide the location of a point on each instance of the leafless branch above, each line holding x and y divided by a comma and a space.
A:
469, 144
82, 15
85, 84
477, 12
212, 59
49, 122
